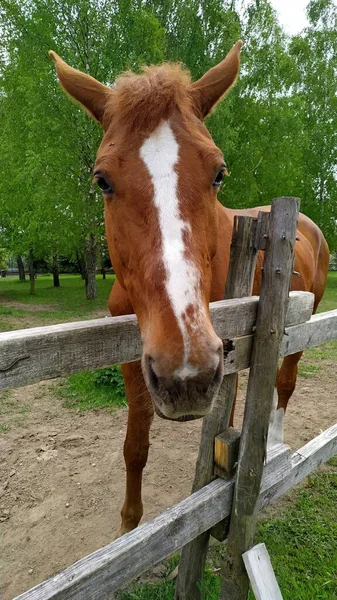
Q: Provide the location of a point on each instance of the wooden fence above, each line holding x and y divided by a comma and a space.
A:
31, 355
39, 353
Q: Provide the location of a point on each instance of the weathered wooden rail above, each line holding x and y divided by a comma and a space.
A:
32, 355
254, 332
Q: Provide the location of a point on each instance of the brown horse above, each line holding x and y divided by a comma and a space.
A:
169, 241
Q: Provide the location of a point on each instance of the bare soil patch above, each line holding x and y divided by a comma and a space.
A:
29, 307
62, 473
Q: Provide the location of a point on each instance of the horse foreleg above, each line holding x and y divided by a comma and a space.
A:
285, 385
136, 446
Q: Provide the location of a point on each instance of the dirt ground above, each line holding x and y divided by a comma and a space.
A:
62, 473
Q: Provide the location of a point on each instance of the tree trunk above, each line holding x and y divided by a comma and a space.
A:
56, 280
31, 270
81, 266
90, 287
55, 271
22, 275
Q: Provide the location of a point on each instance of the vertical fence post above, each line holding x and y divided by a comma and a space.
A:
239, 284
277, 271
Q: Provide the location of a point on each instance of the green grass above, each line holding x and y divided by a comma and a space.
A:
49, 305
329, 300
69, 303
316, 359
103, 388
164, 590
307, 370
301, 543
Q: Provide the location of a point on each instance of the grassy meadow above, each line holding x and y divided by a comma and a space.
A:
50, 305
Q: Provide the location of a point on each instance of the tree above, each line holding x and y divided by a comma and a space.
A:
4, 257
315, 91
21, 268
277, 128
51, 163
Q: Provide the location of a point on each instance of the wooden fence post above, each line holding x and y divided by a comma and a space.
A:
239, 284
277, 271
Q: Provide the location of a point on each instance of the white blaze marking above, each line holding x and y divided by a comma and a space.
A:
276, 423
160, 153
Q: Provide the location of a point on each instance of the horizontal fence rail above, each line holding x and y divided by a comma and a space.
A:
109, 568
32, 355
320, 329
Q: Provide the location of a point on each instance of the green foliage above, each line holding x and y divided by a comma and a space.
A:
111, 377
49, 145
277, 128
4, 256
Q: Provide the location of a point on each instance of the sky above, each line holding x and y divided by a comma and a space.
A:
292, 14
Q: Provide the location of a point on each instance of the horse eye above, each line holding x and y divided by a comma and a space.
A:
219, 177
103, 184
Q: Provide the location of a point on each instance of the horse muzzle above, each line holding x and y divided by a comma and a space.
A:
188, 393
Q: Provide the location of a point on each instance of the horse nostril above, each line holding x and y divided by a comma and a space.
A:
218, 375
153, 379
219, 372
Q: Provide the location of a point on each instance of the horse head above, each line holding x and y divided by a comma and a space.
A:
159, 171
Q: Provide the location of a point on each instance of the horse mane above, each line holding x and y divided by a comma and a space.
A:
142, 100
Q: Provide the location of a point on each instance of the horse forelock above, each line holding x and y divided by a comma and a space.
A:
141, 101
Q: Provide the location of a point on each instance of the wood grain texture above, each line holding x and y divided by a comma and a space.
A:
304, 461
320, 329
283, 464
261, 573
243, 256
299, 308
270, 323
108, 569
59, 350
262, 230
239, 283
226, 452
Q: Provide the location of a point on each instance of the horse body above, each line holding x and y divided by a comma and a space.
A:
311, 266
169, 241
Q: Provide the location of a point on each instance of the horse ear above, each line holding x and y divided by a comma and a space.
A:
83, 88
211, 87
